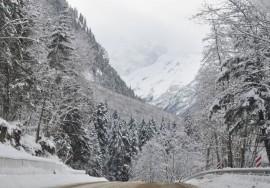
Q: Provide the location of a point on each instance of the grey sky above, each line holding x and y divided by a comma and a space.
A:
118, 24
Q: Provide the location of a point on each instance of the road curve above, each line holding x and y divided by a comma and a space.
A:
128, 185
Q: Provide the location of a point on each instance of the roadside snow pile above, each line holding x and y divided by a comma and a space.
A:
18, 153
17, 162
45, 181
231, 180
20, 166
20, 169
45, 146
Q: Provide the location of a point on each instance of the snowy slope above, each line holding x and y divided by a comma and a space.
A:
17, 162
45, 181
177, 99
20, 169
160, 82
232, 181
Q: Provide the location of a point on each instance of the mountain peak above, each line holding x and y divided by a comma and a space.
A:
170, 70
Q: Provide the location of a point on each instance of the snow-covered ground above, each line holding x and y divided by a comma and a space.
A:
17, 162
22, 170
231, 181
6, 151
44, 181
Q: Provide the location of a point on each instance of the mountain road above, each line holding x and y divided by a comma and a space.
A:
128, 185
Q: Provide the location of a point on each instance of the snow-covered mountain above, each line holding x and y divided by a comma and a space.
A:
166, 82
177, 99
137, 55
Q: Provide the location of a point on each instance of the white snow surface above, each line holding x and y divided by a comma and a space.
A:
173, 68
15, 162
7, 151
44, 181
19, 169
231, 181
29, 142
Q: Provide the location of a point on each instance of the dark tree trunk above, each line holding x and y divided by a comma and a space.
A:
243, 149
6, 105
208, 157
216, 142
40, 119
229, 151
267, 148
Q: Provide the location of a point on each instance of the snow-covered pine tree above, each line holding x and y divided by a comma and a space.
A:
85, 149
142, 134
97, 160
60, 42
163, 127
101, 123
114, 160
119, 151
151, 128
133, 136
126, 154
16, 73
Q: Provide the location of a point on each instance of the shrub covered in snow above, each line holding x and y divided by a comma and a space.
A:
9, 133
47, 145
30, 146
44, 147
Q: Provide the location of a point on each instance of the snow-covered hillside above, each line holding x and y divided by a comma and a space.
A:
177, 99
231, 180
36, 172
161, 83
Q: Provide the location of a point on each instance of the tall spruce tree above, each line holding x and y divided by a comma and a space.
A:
142, 134
16, 73
60, 42
133, 136
119, 159
84, 150
101, 123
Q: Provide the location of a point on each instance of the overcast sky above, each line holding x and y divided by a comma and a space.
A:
120, 23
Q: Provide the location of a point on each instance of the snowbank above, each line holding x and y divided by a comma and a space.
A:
231, 180
20, 169
44, 181
16, 162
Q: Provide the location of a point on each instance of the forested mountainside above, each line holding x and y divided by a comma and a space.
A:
91, 58
49, 57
